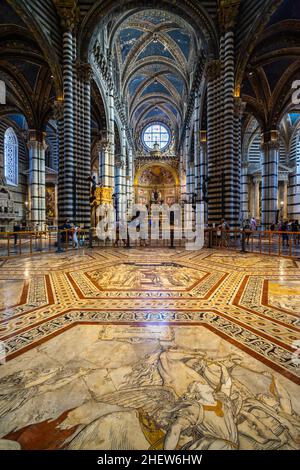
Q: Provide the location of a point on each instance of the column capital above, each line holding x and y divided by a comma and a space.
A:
270, 140
69, 13
58, 109
257, 179
119, 162
35, 135
227, 12
36, 140
212, 69
239, 107
84, 71
103, 145
283, 176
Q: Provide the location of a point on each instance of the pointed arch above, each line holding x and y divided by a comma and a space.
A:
11, 156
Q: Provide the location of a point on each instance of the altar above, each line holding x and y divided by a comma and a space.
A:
156, 183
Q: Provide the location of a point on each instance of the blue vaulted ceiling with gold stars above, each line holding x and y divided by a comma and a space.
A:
155, 56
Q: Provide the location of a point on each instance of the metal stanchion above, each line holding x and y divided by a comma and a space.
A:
39, 241
128, 240
210, 239
172, 237
243, 250
59, 248
90, 238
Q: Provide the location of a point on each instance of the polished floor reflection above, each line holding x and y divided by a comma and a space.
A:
150, 349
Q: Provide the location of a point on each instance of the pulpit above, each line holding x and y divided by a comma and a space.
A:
101, 195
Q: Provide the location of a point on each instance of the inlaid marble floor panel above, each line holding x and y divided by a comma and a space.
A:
120, 349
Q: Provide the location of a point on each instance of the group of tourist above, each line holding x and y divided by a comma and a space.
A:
289, 229
223, 235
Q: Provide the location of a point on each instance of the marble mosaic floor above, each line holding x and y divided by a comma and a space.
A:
150, 349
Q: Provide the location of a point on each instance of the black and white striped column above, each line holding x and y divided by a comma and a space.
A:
244, 192
104, 166
189, 166
120, 185
67, 210
83, 135
294, 186
130, 180
202, 171
122, 191
241, 170
270, 162
197, 148
37, 147
111, 128
58, 114
231, 154
214, 140
222, 152
69, 16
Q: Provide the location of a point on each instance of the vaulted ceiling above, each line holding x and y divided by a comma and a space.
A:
25, 70
155, 56
26, 67
273, 66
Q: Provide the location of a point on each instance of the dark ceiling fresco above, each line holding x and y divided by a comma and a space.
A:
155, 53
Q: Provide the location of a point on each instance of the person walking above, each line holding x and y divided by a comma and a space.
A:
75, 237
222, 229
247, 230
65, 235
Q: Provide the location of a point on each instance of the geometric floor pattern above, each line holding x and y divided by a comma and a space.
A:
213, 326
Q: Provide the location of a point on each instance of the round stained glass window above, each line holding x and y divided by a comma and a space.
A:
156, 134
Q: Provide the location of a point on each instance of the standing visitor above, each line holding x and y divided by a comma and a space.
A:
253, 224
247, 230
222, 229
285, 236
75, 237
17, 229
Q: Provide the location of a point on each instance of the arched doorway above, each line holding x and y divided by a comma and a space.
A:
156, 183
